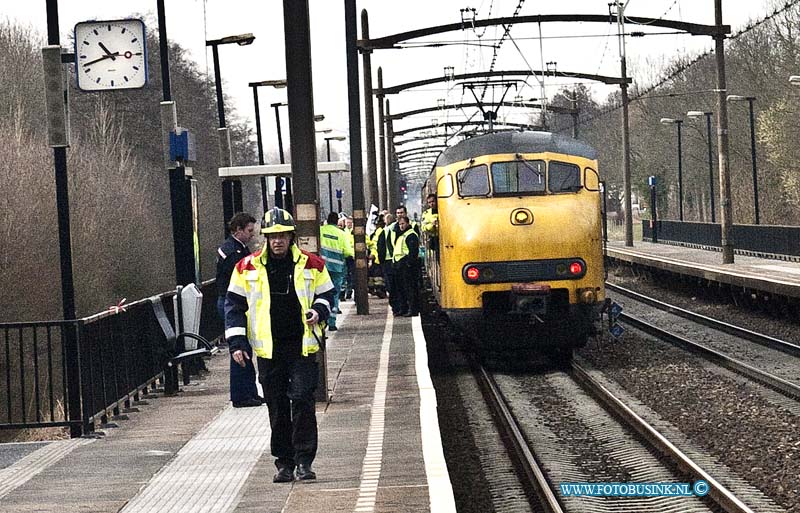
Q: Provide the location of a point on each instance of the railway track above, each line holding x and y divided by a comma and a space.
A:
711, 350
543, 471
737, 331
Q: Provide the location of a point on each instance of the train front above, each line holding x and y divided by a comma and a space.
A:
521, 242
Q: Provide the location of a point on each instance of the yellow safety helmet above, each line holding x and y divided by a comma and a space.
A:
277, 220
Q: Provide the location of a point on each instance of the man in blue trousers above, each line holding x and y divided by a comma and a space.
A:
243, 379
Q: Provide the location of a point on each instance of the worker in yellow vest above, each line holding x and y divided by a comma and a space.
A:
405, 264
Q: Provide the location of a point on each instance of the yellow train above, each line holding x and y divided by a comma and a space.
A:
519, 261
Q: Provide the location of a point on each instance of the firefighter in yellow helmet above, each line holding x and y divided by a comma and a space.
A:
277, 299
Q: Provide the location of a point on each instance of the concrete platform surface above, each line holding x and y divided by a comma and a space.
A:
379, 443
768, 275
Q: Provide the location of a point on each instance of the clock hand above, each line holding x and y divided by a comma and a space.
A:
108, 52
104, 57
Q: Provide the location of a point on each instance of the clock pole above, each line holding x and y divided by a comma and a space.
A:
187, 268
58, 135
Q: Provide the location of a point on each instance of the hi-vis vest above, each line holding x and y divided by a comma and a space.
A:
400, 247
372, 245
428, 222
334, 247
249, 279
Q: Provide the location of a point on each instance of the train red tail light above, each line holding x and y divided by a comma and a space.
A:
472, 273
575, 268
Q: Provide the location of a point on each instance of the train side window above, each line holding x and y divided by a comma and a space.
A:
519, 176
563, 177
591, 179
473, 181
444, 186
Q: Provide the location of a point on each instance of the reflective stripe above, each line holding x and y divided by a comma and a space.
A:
323, 301
232, 332
221, 253
309, 343
332, 260
324, 287
236, 289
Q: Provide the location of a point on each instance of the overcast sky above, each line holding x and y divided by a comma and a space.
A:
589, 48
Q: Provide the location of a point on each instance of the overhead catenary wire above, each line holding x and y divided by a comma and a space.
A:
678, 70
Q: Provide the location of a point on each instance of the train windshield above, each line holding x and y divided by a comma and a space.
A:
519, 176
473, 181
563, 177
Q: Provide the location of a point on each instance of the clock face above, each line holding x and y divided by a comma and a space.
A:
110, 55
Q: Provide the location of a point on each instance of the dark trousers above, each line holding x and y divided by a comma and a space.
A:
289, 385
349, 281
389, 282
406, 283
243, 379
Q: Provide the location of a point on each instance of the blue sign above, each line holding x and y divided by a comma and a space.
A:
651, 181
617, 331
338, 194
614, 312
181, 146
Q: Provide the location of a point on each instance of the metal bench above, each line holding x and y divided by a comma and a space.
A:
176, 349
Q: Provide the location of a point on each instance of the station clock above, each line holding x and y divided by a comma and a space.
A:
110, 55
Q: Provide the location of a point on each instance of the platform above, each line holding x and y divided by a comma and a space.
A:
754, 273
379, 443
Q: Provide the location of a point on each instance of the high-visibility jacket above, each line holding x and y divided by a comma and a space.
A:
391, 238
372, 245
351, 242
429, 218
334, 247
247, 304
406, 245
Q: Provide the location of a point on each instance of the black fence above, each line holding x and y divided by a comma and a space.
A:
766, 241
118, 355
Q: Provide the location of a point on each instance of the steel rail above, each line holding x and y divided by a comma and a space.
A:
721, 495
781, 385
731, 329
525, 457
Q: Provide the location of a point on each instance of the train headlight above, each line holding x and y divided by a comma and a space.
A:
575, 268
521, 216
472, 273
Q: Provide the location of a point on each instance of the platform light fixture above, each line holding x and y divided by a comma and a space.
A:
330, 175
231, 189
750, 100
696, 114
277, 84
678, 123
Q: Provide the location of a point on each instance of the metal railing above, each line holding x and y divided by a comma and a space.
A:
118, 356
765, 241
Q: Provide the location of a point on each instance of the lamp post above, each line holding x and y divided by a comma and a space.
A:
279, 200
678, 122
231, 189
330, 178
750, 100
278, 179
255, 85
696, 114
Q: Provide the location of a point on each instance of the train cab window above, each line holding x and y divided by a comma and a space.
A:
473, 181
563, 177
519, 176
444, 186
